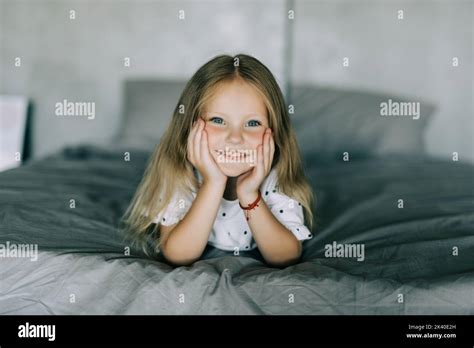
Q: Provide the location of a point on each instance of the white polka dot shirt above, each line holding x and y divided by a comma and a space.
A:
231, 230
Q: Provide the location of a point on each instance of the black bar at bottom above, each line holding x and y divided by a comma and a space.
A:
135, 330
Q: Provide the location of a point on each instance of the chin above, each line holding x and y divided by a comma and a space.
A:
235, 169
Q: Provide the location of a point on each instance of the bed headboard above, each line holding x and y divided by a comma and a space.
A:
328, 121
147, 109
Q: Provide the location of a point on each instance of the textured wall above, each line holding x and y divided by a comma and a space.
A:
410, 57
82, 59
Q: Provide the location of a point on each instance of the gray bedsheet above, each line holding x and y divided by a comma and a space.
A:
408, 266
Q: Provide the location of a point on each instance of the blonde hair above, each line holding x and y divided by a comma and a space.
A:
168, 170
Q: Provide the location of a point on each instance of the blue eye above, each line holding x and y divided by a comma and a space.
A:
219, 120
215, 118
255, 122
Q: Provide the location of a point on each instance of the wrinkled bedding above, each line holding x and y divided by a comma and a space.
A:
418, 259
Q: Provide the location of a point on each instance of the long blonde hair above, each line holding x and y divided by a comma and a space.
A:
168, 170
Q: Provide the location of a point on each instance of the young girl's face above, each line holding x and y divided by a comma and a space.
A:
236, 118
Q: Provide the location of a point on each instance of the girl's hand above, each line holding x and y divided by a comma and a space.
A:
200, 157
249, 183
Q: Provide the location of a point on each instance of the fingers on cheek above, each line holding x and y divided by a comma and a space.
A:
204, 141
201, 144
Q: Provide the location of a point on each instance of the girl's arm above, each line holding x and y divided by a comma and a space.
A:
278, 245
184, 242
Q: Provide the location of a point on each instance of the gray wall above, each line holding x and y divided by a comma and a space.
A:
82, 59
410, 57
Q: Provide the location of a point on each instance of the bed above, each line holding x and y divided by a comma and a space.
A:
418, 252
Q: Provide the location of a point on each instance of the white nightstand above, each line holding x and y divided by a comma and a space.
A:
13, 123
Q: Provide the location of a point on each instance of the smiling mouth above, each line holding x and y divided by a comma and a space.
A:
233, 153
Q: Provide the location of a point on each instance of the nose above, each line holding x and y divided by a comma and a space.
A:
234, 136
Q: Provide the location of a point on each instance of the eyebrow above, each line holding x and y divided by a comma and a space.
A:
223, 114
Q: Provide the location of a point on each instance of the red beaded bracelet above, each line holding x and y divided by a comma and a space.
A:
251, 205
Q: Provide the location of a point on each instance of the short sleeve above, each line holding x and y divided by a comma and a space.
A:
286, 209
175, 210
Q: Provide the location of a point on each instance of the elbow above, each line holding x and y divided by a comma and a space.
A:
282, 262
175, 258
285, 261
180, 262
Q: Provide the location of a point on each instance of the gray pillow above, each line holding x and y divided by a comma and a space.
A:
328, 121
148, 108
331, 121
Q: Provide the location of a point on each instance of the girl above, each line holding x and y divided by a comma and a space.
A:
226, 172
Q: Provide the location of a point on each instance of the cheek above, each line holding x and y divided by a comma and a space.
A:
213, 137
217, 138
255, 139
